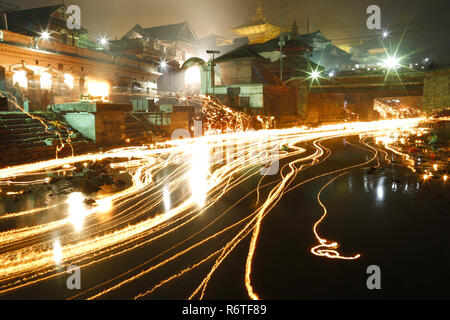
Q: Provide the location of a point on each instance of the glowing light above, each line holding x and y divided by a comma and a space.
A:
380, 192
45, 35
385, 34
192, 75
163, 64
20, 77
315, 74
104, 205
330, 74
166, 198
445, 177
199, 172
103, 41
98, 89
77, 210
46, 81
435, 167
391, 62
69, 80
57, 252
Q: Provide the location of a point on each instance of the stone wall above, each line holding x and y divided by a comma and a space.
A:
179, 120
302, 101
324, 107
104, 123
110, 123
436, 93
361, 104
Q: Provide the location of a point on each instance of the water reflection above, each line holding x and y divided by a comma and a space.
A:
394, 186
199, 172
77, 210
380, 189
104, 205
57, 252
350, 183
166, 198
366, 183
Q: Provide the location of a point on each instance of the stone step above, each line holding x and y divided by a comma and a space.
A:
13, 115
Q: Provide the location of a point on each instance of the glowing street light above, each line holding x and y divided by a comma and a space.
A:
45, 35
385, 34
315, 74
163, 64
331, 74
391, 62
103, 41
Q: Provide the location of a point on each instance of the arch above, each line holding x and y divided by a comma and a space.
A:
194, 61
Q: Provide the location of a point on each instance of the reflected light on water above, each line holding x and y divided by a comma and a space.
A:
77, 210
199, 172
166, 198
57, 252
104, 205
366, 184
380, 190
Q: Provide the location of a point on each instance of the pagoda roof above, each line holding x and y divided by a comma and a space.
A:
242, 52
252, 24
170, 32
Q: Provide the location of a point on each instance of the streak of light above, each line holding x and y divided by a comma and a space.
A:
211, 165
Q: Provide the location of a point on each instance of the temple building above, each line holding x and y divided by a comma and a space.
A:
50, 19
258, 30
159, 43
67, 64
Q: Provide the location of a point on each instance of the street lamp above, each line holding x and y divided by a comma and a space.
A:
213, 64
391, 62
44, 35
315, 74
103, 41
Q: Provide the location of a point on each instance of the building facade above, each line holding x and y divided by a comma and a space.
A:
49, 70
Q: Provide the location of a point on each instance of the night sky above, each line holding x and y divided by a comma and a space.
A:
426, 21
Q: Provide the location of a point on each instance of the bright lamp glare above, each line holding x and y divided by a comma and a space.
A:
69, 80
46, 81
103, 41
20, 77
45, 35
98, 89
385, 34
315, 74
391, 62
192, 75
163, 64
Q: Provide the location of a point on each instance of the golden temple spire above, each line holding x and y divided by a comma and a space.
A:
259, 14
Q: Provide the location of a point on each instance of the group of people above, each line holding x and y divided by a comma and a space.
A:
30, 101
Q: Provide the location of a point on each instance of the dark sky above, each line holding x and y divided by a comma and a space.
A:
343, 21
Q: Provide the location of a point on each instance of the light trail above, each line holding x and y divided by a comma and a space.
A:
157, 204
